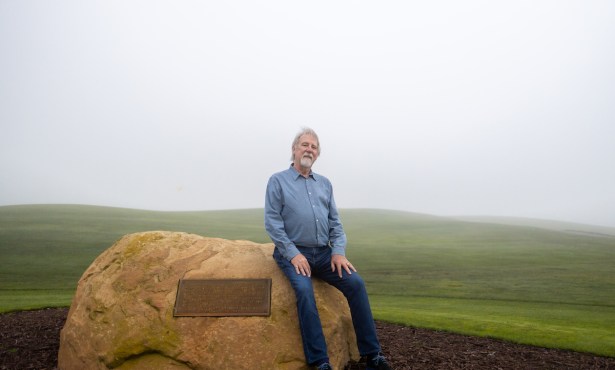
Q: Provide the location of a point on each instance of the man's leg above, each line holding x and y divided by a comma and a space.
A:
314, 345
353, 288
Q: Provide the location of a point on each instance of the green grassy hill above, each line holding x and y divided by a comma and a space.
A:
526, 284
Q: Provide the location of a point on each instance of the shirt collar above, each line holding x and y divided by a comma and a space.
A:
297, 174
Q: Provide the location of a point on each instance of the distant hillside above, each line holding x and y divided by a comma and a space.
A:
569, 227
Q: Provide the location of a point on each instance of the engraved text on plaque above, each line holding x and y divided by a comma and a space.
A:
223, 297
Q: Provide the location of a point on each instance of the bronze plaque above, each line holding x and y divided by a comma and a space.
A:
223, 297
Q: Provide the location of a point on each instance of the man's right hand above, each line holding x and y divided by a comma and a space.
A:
301, 265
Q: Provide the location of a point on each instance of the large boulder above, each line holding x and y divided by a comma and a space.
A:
122, 313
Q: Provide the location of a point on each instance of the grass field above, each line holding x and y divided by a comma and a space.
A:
521, 283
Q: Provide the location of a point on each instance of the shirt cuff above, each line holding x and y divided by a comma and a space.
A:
338, 250
291, 252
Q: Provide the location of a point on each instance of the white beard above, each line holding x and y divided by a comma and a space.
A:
306, 162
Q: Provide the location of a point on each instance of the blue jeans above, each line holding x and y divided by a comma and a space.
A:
353, 288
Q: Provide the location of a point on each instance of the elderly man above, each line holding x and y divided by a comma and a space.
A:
302, 220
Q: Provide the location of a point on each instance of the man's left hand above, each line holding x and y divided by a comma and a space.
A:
339, 262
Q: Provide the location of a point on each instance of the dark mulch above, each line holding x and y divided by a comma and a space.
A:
30, 340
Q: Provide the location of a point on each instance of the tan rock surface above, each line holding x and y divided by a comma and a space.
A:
122, 313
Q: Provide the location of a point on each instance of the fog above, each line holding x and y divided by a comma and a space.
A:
444, 107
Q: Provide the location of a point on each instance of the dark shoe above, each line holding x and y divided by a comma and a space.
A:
378, 362
325, 366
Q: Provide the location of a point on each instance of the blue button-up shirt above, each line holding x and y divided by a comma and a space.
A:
301, 211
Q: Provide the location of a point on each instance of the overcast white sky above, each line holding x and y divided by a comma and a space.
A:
441, 107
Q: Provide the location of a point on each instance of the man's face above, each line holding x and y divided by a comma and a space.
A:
306, 151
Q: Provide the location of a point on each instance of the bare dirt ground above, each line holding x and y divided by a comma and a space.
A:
30, 340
